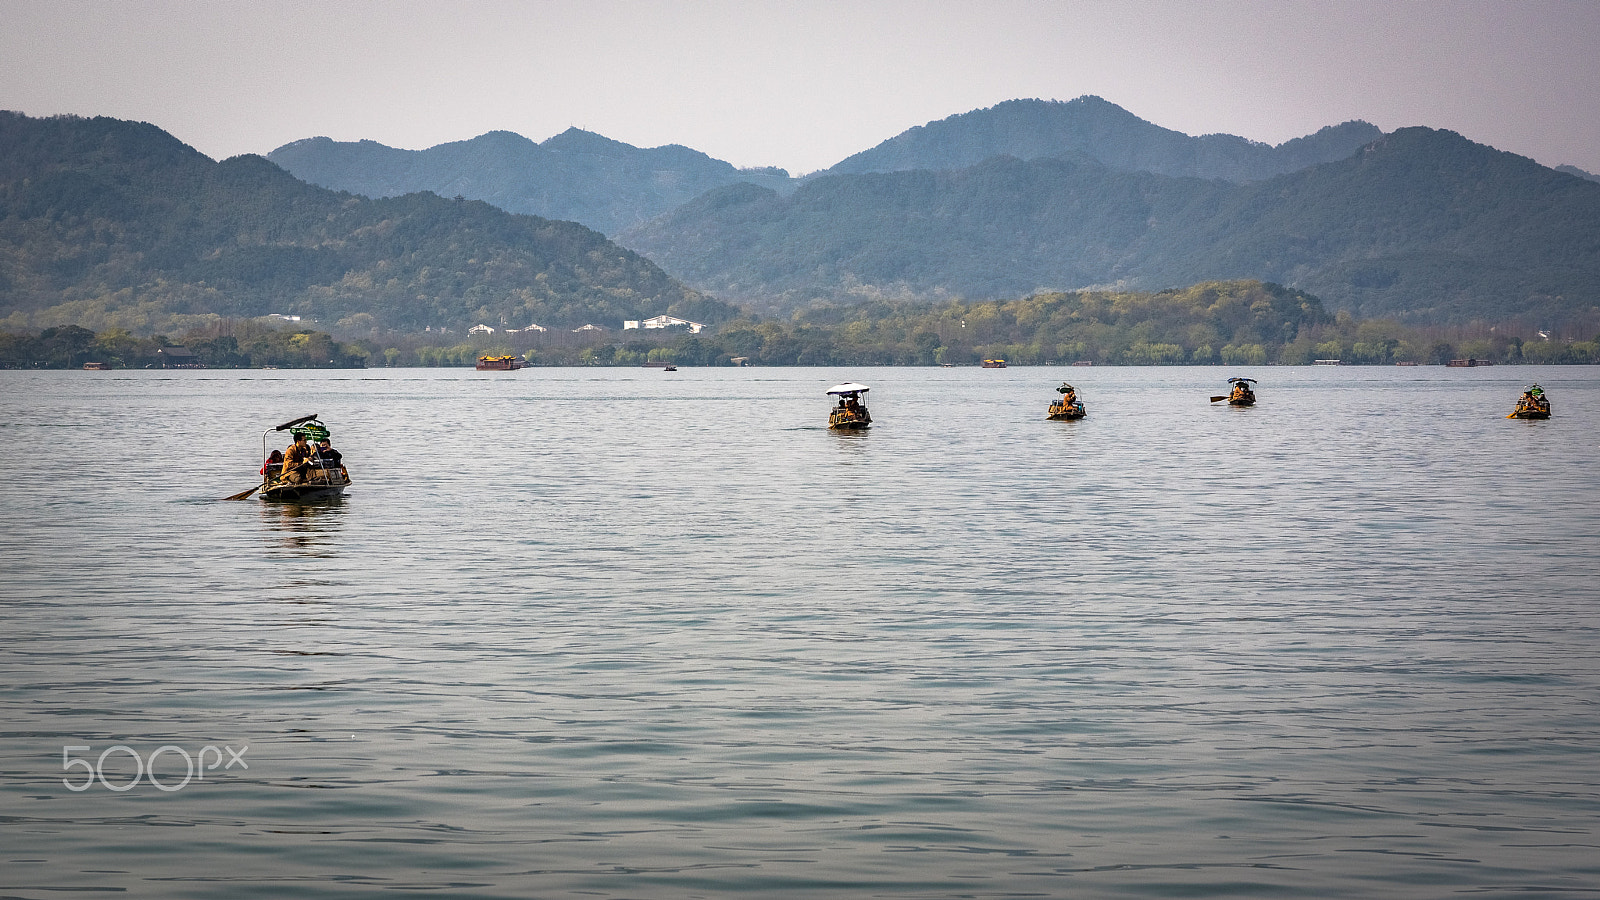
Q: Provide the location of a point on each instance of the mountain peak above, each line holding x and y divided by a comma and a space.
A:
1091, 125
576, 140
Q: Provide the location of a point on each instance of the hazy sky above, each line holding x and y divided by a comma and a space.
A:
802, 84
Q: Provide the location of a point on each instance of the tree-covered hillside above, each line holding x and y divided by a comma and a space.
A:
1103, 131
577, 175
112, 223
1422, 224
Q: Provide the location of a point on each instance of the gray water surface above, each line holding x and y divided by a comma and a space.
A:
629, 633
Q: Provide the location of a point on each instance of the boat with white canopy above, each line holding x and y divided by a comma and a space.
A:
851, 413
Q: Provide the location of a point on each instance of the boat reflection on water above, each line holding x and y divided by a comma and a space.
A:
306, 529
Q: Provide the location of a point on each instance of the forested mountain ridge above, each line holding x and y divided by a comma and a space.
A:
577, 175
1104, 131
612, 186
1420, 224
105, 222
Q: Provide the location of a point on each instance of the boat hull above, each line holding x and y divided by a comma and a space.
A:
1242, 401
1060, 413
1531, 414
319, 485
301, 493
842, 420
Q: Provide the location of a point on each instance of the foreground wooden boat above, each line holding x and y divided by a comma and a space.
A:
1241, 395
851, 414
1533, 404
320, 479
1069, 407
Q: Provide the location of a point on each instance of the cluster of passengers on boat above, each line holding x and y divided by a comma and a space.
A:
303, 461
308, 469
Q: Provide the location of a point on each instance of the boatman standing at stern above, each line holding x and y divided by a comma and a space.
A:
297, 459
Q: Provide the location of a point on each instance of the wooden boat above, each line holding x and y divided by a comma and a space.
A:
851, 414
501, 363
1241, 395
96, 366
321, 482
994, 364
1533, 404
1069, 407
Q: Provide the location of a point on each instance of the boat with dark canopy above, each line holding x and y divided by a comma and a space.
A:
1533, 404
1069, 407
320, 480
1241, 395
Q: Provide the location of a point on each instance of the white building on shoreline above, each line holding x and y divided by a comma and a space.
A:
662, 322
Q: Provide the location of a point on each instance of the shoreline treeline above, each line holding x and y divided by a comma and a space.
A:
244, 345
1215, 323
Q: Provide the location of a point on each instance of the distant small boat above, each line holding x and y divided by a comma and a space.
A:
1069, 407
501, 363
1405, 363
1329, 362
851, 414
1468, 363
1533, 404
994, 364
669, 368
96, 366
1241, 395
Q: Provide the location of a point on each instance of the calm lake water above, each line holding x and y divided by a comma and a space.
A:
638, 634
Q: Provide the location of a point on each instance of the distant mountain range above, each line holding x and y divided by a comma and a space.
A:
112, 223
611, 186
1034, 195
1420, 224
1102, 131
109, 222
577, 175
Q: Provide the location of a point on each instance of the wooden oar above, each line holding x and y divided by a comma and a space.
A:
243, 494
1215, 399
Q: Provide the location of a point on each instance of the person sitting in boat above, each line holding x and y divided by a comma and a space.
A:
1069, 395
297, 460
1241, 391
273, 465
329, 458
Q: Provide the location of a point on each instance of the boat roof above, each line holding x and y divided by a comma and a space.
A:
849, 387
